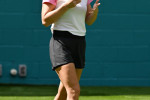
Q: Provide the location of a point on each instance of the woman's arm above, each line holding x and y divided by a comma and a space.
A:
92, 13
49, 15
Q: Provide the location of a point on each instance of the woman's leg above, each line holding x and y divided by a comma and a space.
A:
68, 76
62, 94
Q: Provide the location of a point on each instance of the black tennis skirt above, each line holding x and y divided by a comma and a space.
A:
67, 48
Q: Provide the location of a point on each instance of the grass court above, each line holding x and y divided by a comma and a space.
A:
34, 92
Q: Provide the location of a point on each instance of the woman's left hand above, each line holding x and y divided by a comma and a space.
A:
95, 6
92, 13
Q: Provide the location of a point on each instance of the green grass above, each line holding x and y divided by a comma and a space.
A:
30, 92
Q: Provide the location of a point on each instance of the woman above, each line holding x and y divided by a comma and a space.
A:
67, 45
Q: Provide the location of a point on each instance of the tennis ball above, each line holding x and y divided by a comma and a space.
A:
13, 72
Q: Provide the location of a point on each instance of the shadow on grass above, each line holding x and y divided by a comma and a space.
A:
46, 90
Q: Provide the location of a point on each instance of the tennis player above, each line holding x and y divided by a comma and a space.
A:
67, 44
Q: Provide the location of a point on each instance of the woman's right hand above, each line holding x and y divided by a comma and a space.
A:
50, 14
72, 3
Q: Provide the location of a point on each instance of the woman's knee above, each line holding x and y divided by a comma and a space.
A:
75, 90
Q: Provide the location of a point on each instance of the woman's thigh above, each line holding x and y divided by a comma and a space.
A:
68, 75
79, 73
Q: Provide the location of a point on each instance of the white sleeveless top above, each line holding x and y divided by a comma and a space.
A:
72, 20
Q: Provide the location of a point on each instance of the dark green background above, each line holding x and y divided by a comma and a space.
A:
118, 44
